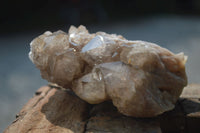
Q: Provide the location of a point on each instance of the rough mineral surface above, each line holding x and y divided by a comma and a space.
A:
142, 79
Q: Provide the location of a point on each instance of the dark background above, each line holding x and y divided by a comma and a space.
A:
23, 15
174, 24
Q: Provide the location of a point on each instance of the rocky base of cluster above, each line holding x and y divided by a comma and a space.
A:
53, 110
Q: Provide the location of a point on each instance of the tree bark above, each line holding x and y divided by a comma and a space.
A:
52, 110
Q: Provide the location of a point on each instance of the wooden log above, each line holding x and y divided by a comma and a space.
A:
53, 110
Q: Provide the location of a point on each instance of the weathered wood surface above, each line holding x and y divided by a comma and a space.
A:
56, 111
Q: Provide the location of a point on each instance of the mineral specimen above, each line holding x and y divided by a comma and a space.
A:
142, 79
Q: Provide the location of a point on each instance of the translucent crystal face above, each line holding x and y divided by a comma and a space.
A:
142, 79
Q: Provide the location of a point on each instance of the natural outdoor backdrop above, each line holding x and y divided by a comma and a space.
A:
174, 24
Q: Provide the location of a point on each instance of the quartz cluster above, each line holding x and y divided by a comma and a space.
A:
142, 79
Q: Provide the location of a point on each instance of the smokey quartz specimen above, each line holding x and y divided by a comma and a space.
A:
142, 79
